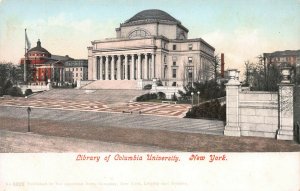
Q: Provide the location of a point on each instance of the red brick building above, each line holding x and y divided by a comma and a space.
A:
43, 66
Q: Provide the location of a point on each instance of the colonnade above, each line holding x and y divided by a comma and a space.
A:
124, 67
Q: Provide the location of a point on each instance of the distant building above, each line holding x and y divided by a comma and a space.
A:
284, 58
43, 66
287, 57
76, 70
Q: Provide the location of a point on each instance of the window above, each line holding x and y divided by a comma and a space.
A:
138, 33
174, 63
190, 60
174, 46
80, 69
76, 74
190, 46
165, 71
76, 69
190, 73
174, 73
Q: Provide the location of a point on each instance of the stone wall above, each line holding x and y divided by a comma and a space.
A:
169, 91
36, 88
258, 114
261, 114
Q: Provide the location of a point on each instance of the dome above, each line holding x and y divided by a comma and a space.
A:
152, 14
39, 48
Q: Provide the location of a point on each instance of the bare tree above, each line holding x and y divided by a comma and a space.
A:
262, 76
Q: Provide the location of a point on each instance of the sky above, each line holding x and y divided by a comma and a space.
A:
241, 29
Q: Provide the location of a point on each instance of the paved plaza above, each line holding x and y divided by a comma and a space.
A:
171, 110
97, 101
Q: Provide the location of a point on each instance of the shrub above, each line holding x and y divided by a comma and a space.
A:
161, 95
148, 87
208, 90
211, 110
146, 97
28, 92
1, 92
174, 97
15, 91
159, 83
7, 86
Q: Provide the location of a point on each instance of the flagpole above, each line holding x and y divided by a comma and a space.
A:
25, 62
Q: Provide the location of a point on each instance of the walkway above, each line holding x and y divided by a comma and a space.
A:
120, 120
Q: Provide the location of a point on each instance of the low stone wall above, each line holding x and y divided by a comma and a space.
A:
258, 114
35, 88
168, 90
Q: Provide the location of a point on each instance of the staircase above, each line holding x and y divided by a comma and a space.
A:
112, 85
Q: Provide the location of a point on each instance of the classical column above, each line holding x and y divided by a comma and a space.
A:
97, 70
64, 74
106, 68
139, 67
112, 72
94, 68
100, 67
132, 67
152, 66
126, 67
60, 74
119, 68
146, 67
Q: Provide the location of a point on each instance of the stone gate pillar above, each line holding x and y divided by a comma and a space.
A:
285, 107
232, 127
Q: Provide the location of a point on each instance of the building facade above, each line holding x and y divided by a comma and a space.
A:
42, 66
285, 58
289, 57
150, 45
76, 70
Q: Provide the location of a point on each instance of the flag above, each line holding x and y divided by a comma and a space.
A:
27, 41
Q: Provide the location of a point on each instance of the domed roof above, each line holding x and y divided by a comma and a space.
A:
39, 48
152, 14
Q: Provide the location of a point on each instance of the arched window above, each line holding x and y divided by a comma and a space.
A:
138, 33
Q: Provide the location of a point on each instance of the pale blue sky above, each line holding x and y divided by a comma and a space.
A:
240, 29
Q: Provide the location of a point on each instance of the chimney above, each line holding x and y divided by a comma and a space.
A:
222, 65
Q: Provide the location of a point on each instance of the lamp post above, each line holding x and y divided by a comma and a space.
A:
28, 111
198, 96
192, 98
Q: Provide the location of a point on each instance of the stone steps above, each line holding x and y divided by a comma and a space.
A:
91, 95
112, 84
